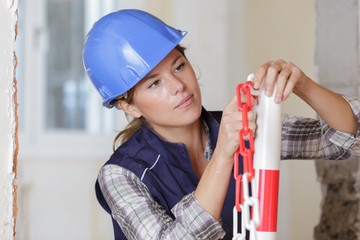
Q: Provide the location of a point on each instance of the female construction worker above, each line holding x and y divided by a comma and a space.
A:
170, 178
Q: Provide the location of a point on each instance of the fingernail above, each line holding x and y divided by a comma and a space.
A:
268, 93
277, 99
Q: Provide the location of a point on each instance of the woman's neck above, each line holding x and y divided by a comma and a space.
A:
194, 137
184, 134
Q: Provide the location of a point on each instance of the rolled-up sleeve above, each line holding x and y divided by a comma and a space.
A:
345, 140
196, 220
141, 217
305, 138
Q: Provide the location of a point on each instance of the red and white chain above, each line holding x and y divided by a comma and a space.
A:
243, 200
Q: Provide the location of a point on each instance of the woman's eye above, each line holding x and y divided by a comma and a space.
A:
154, 84
180, 67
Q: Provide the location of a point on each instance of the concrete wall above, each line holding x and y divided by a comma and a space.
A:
337, 62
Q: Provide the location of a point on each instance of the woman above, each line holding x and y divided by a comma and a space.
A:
170, 178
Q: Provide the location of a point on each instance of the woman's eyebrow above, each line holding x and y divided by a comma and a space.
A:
175, 60
150, 76
156, 74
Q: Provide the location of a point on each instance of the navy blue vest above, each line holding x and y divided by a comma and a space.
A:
172, 177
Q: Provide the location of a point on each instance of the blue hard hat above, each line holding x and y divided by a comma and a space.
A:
123, 47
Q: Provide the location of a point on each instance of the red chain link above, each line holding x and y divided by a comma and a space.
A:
246, 153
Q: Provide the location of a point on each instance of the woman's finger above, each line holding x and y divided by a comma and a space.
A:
244, 99
292, 81
281, 83
272, 76
260, 74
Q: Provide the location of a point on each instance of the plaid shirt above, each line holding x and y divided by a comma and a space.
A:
140, 217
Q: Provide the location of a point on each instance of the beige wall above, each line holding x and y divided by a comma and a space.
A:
279, 29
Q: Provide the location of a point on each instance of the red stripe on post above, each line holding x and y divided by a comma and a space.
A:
268, 199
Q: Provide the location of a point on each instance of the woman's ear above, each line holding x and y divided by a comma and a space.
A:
129, 109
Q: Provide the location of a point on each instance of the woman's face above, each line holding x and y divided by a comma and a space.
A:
169, 96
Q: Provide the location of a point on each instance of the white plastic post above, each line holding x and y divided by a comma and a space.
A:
267, 163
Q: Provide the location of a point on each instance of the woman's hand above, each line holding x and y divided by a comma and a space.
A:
286, 75
231, 124
214, 182
289, 78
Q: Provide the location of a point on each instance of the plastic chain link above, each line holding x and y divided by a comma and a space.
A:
243, 201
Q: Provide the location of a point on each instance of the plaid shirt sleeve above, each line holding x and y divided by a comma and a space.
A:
304, 138
140, 217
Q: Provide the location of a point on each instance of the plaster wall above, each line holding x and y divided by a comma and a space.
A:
8, 19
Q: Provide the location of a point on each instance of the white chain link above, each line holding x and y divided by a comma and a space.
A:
236, 234
246, 221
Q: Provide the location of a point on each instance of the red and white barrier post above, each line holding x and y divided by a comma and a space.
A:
267, 163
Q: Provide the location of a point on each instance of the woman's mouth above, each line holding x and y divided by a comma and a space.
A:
186, 101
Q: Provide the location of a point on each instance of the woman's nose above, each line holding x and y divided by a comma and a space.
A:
175, 85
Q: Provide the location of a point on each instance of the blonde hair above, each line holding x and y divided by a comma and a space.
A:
134, 123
